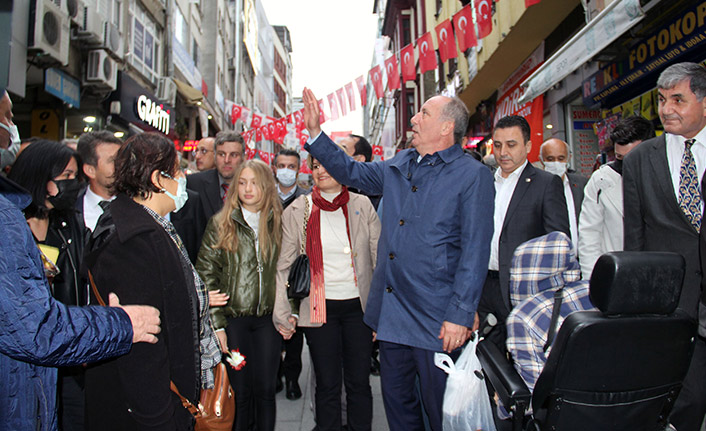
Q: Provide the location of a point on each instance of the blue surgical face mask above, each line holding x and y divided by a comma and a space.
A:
181, 195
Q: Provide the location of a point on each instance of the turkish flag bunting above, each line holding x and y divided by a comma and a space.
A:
465, 30
333, 105
445, 37
299, 120
258, 134
342, 101
256, 121
360, 82
529, 3
302, 139
393, 73
266, 132
272, 129
376, 78
247, 136
427, 56
235, 113
322, 113
484, 17
305, 167
349, 93
264, 156
377, 151
249, 153
409, 70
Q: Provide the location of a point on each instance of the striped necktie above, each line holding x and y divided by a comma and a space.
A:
689, 190
224, 186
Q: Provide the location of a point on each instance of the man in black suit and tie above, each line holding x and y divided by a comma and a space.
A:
528, 203
554, 155
213, 184
664, 206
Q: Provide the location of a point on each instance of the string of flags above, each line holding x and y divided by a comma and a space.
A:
462, 32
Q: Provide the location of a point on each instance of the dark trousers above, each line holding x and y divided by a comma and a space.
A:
254, 384
492, 301
71, 398
400, 367
292, 362
690, 407
342, 347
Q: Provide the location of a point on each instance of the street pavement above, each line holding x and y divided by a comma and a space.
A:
297, 415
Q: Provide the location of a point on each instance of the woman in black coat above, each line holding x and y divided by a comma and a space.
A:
136, 253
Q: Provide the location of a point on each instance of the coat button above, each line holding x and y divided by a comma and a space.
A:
389, 289
401, 222
63, 224
392, 256
69, 240
409, 175
414, 188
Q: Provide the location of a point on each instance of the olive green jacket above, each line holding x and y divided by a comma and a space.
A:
252, 292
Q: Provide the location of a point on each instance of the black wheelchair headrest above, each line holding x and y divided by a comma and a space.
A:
637, 282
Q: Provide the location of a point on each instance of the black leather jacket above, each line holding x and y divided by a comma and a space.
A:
67, 233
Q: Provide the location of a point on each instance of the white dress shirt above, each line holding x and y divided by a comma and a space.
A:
675, 152
504, 189
91, 210
253, 220
573, 225
284, 196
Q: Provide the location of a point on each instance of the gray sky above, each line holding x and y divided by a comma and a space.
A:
332, 44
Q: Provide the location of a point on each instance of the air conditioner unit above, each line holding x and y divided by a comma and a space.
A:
113, 40
49, 30
76, 10
101, 70
166, 90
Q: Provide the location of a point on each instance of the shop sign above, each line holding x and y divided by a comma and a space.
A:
584, 139
186, 64
153, 113
510, 93
63, 86
45, 124
685, 34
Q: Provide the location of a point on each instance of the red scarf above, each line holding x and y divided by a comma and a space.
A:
317, 295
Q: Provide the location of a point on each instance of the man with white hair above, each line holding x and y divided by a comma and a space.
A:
554, 155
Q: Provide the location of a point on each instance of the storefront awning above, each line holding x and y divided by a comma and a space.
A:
613, 21
189, 93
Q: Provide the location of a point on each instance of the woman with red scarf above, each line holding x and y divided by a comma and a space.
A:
342, 231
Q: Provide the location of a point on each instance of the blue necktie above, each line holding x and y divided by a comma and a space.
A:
689, 190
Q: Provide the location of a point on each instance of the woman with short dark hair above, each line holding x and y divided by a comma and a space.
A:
136, 253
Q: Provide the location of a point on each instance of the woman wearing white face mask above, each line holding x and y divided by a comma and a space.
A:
136, 253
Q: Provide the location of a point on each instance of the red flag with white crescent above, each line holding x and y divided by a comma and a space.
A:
256, 121
409, 70
235, 113
305, 166
333, 104
377, 151
303, 139
376, 78
299, 120
258, 134
322, 113
445, 37
529, 3
349, 93
342, 101
393, 73
427, 55
465, 30
484, 17
360, 82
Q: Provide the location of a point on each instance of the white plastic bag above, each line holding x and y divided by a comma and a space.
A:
466, 402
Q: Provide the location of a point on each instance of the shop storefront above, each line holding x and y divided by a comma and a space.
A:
134, 109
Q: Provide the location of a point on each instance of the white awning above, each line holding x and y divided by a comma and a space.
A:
613, 21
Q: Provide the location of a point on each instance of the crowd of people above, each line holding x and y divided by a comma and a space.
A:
410, 255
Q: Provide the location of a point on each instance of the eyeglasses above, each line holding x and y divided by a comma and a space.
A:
202, 151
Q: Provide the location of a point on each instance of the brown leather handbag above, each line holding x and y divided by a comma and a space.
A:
216, 409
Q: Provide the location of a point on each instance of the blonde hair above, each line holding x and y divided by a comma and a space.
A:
270, 236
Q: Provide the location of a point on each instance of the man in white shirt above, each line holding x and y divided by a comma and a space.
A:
663, 207
554, 155
601, 220
528, 203
97, 151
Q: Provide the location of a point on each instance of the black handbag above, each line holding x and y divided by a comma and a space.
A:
299, 280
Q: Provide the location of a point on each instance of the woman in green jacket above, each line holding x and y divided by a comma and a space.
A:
238, 257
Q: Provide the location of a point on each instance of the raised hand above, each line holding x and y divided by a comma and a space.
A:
311, 112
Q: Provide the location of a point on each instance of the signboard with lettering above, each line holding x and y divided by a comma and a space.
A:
45, 124
153, 113
680, 39
63, 86
140, 107
584, 140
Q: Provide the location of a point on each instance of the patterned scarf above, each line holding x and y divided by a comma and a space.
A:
317, 295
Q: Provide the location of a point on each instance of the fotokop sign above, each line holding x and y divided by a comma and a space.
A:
153, 113
682, 38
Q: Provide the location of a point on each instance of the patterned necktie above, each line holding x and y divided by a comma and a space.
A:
103, 205
225, 186
689, 190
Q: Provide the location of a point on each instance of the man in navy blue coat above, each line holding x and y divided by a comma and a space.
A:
433, 251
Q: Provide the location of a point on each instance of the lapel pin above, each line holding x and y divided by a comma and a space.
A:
528, 180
